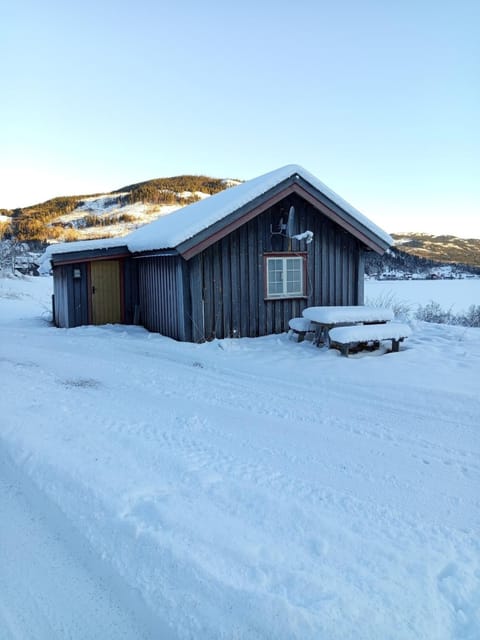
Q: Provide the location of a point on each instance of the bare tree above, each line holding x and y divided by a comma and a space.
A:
10, 252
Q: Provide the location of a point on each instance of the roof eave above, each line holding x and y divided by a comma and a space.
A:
200, 241
294, 184
89, 255
344, 219
155, 253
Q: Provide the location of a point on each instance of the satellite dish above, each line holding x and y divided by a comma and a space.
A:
291, 222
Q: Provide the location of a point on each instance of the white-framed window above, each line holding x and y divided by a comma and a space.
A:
285, 276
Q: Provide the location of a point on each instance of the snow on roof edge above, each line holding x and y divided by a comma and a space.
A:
346, 206
79, 245
171, 231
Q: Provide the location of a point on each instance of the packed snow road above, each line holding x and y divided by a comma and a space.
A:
255, 489
52, 587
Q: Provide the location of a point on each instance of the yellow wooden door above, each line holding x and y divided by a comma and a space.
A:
105, 292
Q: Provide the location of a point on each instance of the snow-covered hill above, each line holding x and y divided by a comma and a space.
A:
249, 488
442, 248
109, 214
106, 216
114, 214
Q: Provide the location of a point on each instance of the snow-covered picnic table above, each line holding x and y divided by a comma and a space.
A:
326, 318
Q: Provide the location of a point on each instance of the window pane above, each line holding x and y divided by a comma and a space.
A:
274, 264
275, 288
275, 276
294, 276
294, 264
294, 287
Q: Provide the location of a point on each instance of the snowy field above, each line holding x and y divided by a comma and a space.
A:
451, 295
239, 489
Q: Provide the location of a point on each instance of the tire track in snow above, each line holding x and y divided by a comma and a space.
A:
245, 397
247, 393
296, 405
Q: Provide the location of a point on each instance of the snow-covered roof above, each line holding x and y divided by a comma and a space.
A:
171, 231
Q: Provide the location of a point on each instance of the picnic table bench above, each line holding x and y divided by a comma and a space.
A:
324, 319
345, 338
300, 327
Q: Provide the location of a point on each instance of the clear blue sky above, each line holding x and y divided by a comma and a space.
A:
379, 99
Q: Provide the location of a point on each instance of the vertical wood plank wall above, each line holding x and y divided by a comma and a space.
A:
226, 281
60, 292
71, 304
160, 296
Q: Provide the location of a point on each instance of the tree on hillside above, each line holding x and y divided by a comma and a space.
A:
10, 252
5, 230
26, 226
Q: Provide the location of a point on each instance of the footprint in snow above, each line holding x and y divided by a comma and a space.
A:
82, 383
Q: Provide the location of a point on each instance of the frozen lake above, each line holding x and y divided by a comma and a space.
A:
455, 295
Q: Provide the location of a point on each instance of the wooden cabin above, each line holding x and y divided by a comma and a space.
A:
239, 263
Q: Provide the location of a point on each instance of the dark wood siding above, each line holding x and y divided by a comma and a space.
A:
161, 296
226, 280
130, 290
60, 292
71, 305
79, 312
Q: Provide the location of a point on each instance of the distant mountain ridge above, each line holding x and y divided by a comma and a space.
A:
443, 248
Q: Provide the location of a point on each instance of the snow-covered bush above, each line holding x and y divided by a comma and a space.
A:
472, 316
433, 312
401, 309
10, 253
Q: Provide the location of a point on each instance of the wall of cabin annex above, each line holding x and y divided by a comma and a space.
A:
226, 281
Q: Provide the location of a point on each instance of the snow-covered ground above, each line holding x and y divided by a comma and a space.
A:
454, 295
251, 488
51, 584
